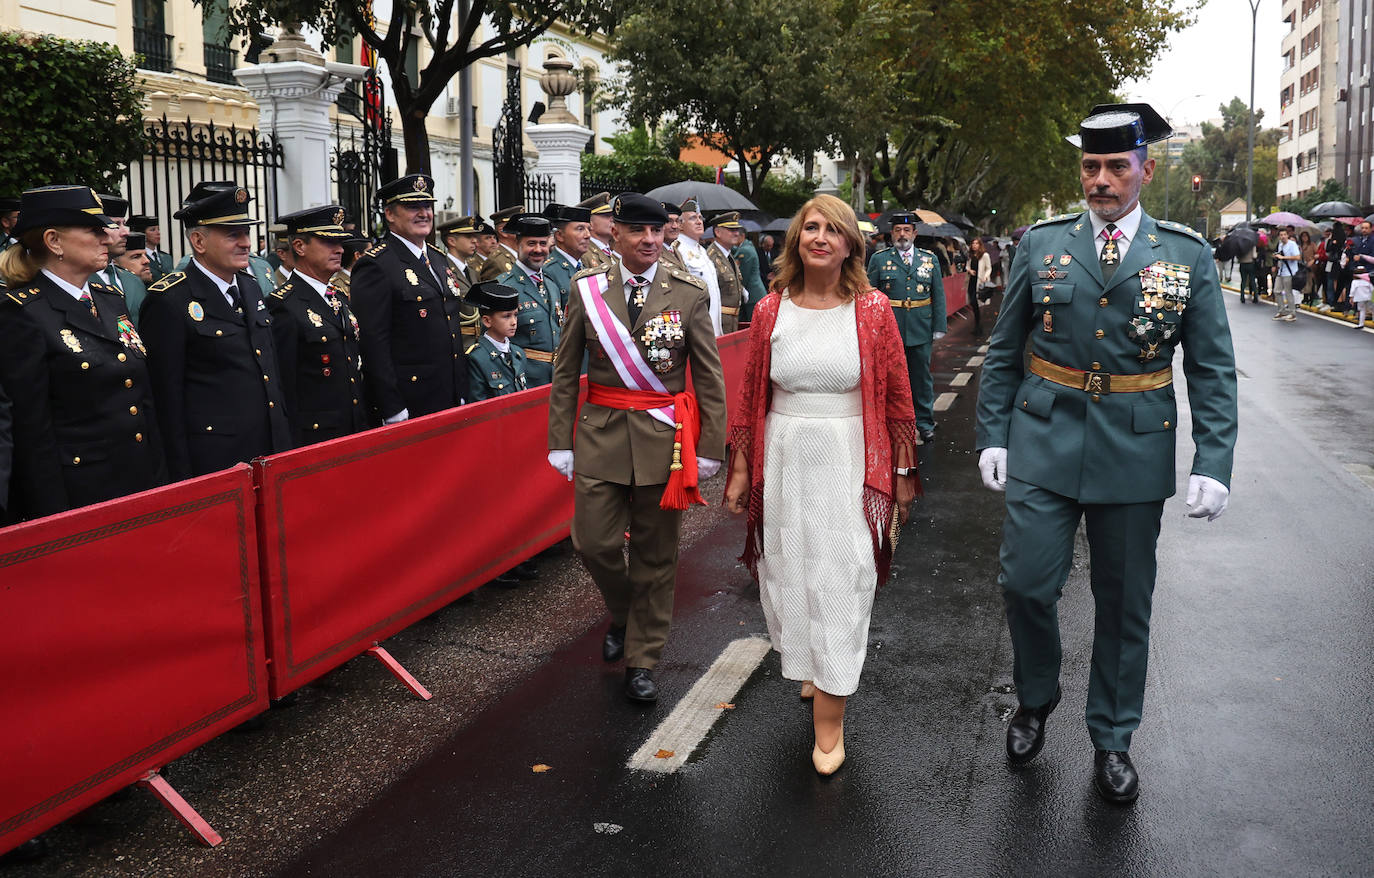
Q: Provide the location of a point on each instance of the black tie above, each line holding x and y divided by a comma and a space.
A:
639, 286
234, 299
1111, 254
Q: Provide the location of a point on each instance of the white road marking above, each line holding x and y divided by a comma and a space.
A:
973, 361
687, 726
944, 401
961, 379
983, 349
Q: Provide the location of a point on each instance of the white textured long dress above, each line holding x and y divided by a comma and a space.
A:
816, 572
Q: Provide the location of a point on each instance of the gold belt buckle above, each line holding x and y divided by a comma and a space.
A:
1097, 382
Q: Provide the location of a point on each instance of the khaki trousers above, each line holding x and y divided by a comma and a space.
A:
639, 595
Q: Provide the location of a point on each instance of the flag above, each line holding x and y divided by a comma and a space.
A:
720, 175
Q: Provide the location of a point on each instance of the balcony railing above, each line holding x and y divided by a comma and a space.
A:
155, 47
219, 64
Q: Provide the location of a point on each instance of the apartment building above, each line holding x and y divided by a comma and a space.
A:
1307, 95
1355, 99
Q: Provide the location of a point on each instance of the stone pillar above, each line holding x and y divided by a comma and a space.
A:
294, 92
558, 136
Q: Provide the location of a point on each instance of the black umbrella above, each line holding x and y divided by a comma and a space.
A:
778, 225
709, 196
939, 230
1241, 238
957, 219
1334, 208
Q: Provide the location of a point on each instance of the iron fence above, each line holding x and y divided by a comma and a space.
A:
539, 192
362, 155
591, 185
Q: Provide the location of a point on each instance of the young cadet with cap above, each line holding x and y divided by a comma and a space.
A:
733, 294
129, 285
572, 235
502, 258
541, 298
411, 333
159, 262
642, 442
1104, 296
315, 332
459, 237
599, 252
496, 366
84, 422
911, 279
210, 350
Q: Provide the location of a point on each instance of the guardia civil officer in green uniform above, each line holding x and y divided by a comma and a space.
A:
911, 279
496, 366
572, 234
159, 261
1104, 296
541, 298
125, 282
502, 259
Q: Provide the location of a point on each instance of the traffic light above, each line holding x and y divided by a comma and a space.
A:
1197, 182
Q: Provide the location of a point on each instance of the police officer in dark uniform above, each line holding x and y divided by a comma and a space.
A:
6, 453
316, 334
85, 428
209, 335
411, 334
541, 298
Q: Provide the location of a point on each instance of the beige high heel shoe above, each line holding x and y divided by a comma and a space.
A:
808, 690
828, 763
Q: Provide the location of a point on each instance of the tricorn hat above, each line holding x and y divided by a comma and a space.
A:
491, 296
528, 225
1113, 128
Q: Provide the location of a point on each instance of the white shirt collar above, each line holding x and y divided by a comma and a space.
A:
718, 246
502, 344
416, 251
684, 241
572, 260
648, 275
1128, 225
529, 272
318, 286
67, 288
216, 279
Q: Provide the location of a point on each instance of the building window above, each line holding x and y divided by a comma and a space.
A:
589, 82
220, 60
151, 40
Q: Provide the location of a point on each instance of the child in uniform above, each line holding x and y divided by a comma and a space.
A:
496, 366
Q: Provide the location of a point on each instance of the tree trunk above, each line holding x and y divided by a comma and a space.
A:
416, 140
858, 197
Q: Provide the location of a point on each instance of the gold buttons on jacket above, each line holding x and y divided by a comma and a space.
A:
133, 409
1102, 302
85, 366
1097, 397
209, 429
1166, 425
265, 378
1096, 365
219, 332
76, 460
128, 382
1046, 299
138, 437
414, 378
1099, 334
121, 358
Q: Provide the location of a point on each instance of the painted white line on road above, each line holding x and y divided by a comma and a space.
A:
944, 401
973, 361
961, 379
686, 727
983, 349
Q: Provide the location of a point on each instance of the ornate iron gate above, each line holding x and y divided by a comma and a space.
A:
508, 146
362, 152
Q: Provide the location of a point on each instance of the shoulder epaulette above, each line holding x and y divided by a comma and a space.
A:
167, 281
98, 287
472, 347
375, 249
1181, 229
589, 270
687, 276
1063, 217
24, 296
282, 291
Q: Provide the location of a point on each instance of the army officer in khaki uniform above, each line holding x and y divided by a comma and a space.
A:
732, 290
642, 323
1104, 296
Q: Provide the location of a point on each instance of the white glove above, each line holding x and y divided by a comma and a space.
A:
939, 335
706, 467
992, 463
563, 462
1207, 496
402, 415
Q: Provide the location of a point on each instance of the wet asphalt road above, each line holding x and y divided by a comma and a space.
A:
1254, 752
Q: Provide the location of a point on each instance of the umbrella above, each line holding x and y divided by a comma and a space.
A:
1019, 231
750, 225
940, 230
1334, 209
709, 196
1244, 237
1285, 218
959, 220
778, 225
1370, 218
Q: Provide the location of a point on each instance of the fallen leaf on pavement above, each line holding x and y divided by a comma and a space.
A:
725, 705
664, 754
607, 828
540, 768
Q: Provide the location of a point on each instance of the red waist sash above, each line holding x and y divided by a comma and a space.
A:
681, 490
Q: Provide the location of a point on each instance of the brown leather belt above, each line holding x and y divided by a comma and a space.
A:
1100, 382
538, 356
910, 303
729, 312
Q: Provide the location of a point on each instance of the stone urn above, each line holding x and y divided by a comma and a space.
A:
558, 82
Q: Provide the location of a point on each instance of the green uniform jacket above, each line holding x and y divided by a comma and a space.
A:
540, 321
490, 375
748, 260
561, 270
902, 283
1115, 447
133, 289
161, 266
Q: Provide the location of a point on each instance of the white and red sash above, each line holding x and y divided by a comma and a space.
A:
620, 346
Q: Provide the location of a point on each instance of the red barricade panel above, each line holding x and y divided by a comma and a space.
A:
956, 292
364, 535
132, 635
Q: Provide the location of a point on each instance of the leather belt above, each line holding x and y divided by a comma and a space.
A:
1100, 382
910, 303
538, 356
729, 312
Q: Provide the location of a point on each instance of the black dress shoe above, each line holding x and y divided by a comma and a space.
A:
1026, 733
505, 580
927, 434
525, 570
1115, 777
640, 685
613, 647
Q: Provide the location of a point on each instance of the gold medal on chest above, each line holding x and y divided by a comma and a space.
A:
410, 276
315, 320
71, 341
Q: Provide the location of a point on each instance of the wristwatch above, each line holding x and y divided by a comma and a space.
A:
904, 470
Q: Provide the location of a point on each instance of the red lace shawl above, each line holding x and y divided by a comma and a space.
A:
889, 418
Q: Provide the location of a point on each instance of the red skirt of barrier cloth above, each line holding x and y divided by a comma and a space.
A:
681, 490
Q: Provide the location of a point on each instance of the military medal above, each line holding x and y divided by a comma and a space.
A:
196, 311
1110, 256
1064, 260
410, 276
354, 322
1049, 320
315, 320
424, 312
1049, 258
1052, 275
128, 335
71, 341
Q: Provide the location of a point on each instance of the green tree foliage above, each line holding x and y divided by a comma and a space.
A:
453, 40
88, 134
1329, 190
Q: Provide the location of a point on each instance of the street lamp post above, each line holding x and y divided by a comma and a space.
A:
1250, 129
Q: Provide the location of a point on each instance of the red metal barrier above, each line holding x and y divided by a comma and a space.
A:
132, 636
956, 292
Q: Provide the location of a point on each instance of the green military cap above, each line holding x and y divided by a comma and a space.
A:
634, 209
216, 204
691, 206
322, 222
503, 215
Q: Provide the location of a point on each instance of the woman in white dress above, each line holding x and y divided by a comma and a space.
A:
823, 456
